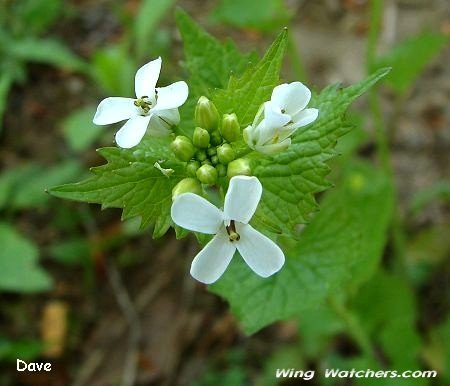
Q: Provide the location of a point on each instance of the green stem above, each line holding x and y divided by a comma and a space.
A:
380, 132
382, 139
376, 12
294, 57
354, 328
383, 149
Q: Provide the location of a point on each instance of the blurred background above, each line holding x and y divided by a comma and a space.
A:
89, 293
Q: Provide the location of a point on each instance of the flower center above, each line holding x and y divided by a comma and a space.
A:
144, 104
275, 138
231, 230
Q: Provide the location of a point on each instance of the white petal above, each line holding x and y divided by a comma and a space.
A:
250, 136
242, 198
171, 96
272, 122
274, 148
259, 115
212, 261
114, 109
273, 117
261, 254
162, 121
132, 132
146, 78
171, 117
291, 97
158, 128
264, 133
305, 117
193, 212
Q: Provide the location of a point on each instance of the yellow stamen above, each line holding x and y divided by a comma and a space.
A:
231, 230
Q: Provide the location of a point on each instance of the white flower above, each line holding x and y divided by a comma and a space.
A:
156, 107
279, 118
231, 230
263, 136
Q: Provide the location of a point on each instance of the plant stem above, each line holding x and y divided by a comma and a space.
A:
380, 132
376, 11
354, 328
382, 139
294, 57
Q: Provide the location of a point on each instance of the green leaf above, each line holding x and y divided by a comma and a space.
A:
38, 16
426, 250
130, 181
317, 327
321, 263
11, 180
437, 354
6, 81
284, 356
147, 18
387, 310
105, 63
245, 94
75, 251
409, 58
439, 190
209, 62
370, 192
352, 141
24, 187
79, 130
291, 178
48, 51
231, 372
262, 15
10, 350
318, 264
19, 271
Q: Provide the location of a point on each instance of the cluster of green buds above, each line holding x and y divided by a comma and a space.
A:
209, 154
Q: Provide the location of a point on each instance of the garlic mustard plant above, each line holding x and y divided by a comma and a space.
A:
154, 107
231, 229
247, 138
280, 117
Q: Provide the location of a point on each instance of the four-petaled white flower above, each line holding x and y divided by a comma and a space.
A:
155, 107
279, 118
231, 230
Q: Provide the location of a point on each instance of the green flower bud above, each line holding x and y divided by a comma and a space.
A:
207, 174
206, 114
183, 148
214, 160
192, 167
201, 137
230, 129
187, 185
211, 151
238, 167
225, 154
216, 138
200, 155
221, 170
